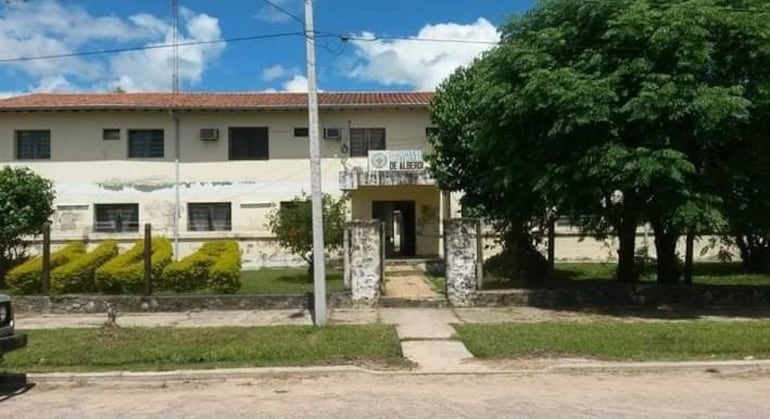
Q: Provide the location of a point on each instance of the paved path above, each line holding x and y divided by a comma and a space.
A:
680, 395
407, 282
211, 318
428, 339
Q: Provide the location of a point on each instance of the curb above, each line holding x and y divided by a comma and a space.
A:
245, 373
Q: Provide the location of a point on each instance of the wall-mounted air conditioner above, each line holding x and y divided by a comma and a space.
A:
209, 134
333, 133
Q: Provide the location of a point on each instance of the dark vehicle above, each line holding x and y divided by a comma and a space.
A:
9, 340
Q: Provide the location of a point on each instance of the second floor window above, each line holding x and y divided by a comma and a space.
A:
209, 217
145, 143
116, 218
33, 145
364, 139
250, 143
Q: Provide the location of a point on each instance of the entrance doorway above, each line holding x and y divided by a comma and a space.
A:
400, 227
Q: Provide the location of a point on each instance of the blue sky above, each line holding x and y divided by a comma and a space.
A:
42, 27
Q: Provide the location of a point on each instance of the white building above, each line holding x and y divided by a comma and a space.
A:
113, 158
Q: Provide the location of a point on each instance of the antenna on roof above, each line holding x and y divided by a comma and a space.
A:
175, 43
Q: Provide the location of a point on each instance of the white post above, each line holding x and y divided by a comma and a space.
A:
319, 262
177, 179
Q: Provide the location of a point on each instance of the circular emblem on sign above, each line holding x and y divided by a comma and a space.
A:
379, 161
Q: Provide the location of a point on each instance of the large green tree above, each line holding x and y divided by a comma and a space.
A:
611, 112
26, 203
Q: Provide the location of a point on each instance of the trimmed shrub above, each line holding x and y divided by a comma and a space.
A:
78, 274
188, 274
197, 271
125, 273
225, 273
25, 278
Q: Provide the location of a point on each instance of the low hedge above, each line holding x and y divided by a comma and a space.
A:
225, 273
78, 274
188, 274
125, 273
216, 266
26, 278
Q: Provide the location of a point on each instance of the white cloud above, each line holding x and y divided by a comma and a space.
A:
278, 72
150, 69
297, 84
422, 65
48, 27
270, 14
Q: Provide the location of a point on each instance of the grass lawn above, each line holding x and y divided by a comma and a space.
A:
286, 281
278, 281
704, 273
612, 340
178, 348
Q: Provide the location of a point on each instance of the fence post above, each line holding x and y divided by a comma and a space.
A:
46, 273
383, 243
346, 256
461, 261
551, 246
688, 257
479, 256
148, 259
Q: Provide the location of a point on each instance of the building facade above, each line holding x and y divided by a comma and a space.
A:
203, 166
223, 162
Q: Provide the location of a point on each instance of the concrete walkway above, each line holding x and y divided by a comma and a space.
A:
413, 324
428, 339
407, 282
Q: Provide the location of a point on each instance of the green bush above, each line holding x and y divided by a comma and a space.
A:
78, 274
25, 278
125, 273
225, 273
205, 269
188, 274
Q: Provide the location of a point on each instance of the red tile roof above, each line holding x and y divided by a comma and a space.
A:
213, 101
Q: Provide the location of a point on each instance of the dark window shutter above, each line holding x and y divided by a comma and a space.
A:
249, 143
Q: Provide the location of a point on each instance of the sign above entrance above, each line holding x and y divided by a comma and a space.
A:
396, 160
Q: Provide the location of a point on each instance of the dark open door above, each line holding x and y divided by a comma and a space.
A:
400, 228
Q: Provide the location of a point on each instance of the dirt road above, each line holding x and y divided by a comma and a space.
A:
369, 396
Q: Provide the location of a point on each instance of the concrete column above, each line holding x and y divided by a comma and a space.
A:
461, 259
365, 261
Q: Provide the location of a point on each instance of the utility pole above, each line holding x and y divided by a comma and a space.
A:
175, 115
319, 262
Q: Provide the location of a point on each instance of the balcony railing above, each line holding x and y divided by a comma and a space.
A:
357, 177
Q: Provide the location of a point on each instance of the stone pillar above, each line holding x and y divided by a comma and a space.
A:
365, 261
461, 258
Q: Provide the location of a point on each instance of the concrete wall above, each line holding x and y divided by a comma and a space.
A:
573, 248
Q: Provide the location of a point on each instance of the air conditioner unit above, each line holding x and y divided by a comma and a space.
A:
209, 134
333, 133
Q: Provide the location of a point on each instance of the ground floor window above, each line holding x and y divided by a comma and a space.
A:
116, 218
215, 216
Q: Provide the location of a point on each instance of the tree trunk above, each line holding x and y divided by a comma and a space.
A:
626, 250
668, 268
755, 253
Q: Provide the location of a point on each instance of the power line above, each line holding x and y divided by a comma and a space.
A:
409, 38
286, 12
149, 47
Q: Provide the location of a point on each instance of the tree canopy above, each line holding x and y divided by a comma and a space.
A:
614, 113
26, 203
